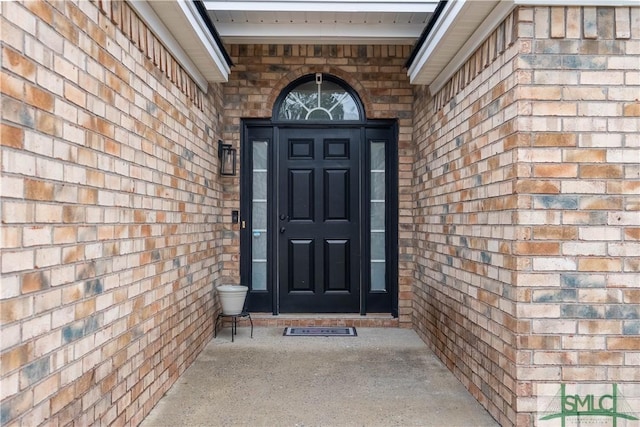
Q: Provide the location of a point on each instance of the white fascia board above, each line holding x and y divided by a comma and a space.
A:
323, 6
205, 37
155, 24
435, 39
483, 31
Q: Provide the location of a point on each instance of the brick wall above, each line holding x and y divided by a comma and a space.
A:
110, 214
579, 187
519, 181
376, 73
527, 182
464, 177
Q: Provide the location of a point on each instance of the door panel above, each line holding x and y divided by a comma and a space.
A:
318, 227
301, 271
336, 195
300, 149
337, 265
301, 200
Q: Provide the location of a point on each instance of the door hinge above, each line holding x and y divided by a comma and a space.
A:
244, 224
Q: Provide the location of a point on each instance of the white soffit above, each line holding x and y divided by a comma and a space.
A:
463, 25
190, 42
455, 26
327, 21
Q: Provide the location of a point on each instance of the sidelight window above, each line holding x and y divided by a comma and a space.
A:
259, 215
377, 216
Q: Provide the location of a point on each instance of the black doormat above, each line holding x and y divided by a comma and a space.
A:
320, 331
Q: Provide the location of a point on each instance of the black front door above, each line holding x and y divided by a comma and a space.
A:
318, 217
319, 222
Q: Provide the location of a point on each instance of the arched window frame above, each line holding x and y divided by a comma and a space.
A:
291, 87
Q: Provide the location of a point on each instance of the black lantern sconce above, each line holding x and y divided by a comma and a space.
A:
227, 156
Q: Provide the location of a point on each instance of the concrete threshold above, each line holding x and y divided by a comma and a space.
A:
383, 377
370, 320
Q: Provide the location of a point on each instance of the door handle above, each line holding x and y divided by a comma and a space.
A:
282, 230
283, 217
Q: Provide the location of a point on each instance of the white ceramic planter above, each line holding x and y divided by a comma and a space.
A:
232, 298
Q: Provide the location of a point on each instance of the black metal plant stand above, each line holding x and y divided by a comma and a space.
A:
234, 323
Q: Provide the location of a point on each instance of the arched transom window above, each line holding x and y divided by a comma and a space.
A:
318, 98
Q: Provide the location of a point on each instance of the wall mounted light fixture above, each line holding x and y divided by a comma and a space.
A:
227, 156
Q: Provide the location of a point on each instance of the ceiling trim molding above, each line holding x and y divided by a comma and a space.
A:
340, 32
322, 6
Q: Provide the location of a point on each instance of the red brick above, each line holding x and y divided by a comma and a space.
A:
88, 196
64, 235
85, 309
38, 190
564, 170
537, 187
41, 9
601, 171
11, 86
48, 123
65, 27
632, 110
17, 357
73, 254
626, 343
38, 98
539, 342
601, 203
631, 296
554, 140
32, 282
18, 63
600, 358
537, 248
11, 136
74, 94
599, 264
62, 398
586, 156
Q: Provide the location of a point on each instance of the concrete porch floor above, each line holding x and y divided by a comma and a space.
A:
382, 377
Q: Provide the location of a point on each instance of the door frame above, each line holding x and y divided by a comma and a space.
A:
370, 302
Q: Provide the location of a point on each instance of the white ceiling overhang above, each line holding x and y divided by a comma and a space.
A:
317, 22
461, 26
